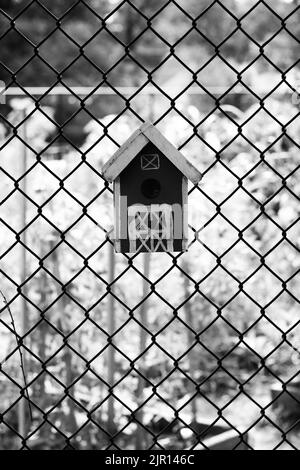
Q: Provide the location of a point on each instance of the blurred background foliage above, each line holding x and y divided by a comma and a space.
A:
38, 53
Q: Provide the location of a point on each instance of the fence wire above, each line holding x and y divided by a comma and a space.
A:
86, 326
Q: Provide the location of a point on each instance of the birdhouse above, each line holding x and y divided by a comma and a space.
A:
150, 179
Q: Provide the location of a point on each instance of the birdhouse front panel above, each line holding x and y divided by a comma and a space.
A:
153, 188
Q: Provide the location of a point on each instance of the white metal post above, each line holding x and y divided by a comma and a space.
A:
143, 318
110, 331
22, 421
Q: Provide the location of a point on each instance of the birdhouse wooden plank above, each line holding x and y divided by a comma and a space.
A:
150, 179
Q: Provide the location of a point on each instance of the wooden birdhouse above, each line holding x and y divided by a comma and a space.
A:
150, 179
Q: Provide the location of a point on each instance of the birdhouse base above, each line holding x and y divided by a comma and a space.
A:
150, 245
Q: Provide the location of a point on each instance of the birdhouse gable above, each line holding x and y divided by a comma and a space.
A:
150, 161
151, 178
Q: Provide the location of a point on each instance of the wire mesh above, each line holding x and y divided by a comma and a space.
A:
101, 351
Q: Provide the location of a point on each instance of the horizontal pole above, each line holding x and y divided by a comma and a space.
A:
147, 91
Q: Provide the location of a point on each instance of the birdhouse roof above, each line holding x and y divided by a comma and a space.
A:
135, 144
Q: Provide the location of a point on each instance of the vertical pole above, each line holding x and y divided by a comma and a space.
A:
69, 417
190, 339
22, 421
111, 349
143, 317
42, 331
151, 107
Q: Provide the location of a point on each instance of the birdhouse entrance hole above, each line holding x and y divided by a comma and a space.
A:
151, 188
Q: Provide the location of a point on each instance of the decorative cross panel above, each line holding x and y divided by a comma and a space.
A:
150, 227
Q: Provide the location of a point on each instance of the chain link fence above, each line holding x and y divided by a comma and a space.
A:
198, 350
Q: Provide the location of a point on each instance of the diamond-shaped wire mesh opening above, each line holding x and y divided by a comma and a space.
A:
158, 351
